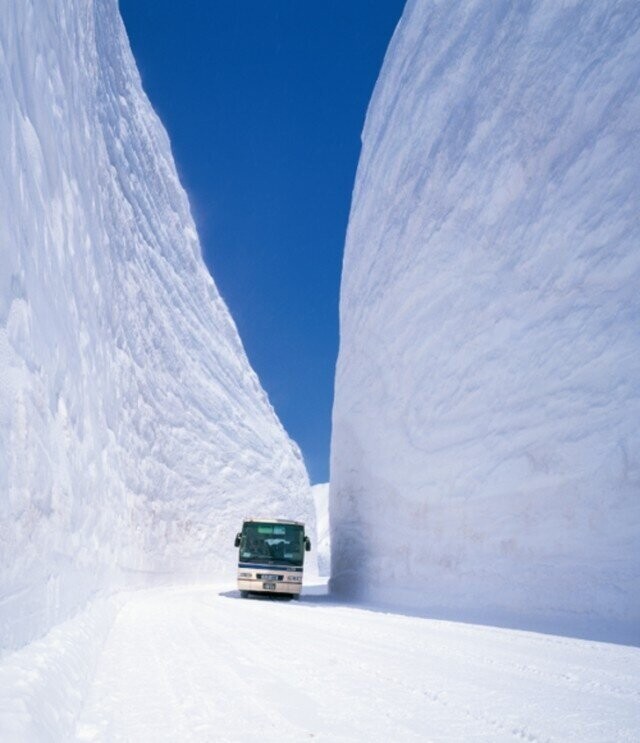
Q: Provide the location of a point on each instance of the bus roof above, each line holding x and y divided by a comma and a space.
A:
272, 521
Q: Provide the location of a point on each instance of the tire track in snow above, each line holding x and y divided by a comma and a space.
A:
370, 671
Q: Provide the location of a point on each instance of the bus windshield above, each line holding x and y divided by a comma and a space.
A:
272, 543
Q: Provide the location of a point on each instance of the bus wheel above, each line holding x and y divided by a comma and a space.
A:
244, 594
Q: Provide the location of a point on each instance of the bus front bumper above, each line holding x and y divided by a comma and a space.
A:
266, 586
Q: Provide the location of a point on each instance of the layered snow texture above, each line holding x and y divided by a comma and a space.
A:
486, 427
134, 436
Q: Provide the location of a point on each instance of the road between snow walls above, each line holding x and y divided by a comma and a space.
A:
198, 663
134, 436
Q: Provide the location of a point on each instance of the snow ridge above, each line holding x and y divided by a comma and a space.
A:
485, 451
134, 435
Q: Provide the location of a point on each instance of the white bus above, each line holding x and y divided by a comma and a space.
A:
271, 556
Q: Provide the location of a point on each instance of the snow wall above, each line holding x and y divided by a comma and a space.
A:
320, 493
485, 455
134, 436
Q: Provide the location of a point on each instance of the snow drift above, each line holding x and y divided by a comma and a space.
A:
486, 440
134, 436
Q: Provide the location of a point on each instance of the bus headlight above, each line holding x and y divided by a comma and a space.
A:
245, 575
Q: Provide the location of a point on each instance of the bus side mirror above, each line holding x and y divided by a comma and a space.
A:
237, 542
307, 544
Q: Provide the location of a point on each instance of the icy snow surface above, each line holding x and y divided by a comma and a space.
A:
134, 436
486, 426
187, 664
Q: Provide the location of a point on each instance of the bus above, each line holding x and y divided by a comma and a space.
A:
271, 557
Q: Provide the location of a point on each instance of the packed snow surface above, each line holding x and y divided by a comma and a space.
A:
486, 425
134, 436
201, 664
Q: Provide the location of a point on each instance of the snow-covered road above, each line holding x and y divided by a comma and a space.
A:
201, 664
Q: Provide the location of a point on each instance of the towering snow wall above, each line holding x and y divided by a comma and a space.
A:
486, 427
134, 436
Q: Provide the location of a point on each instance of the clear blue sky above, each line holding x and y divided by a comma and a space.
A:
264, 101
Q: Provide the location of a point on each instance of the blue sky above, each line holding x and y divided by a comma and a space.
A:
264, 102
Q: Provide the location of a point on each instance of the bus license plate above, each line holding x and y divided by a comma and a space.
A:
269, 586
